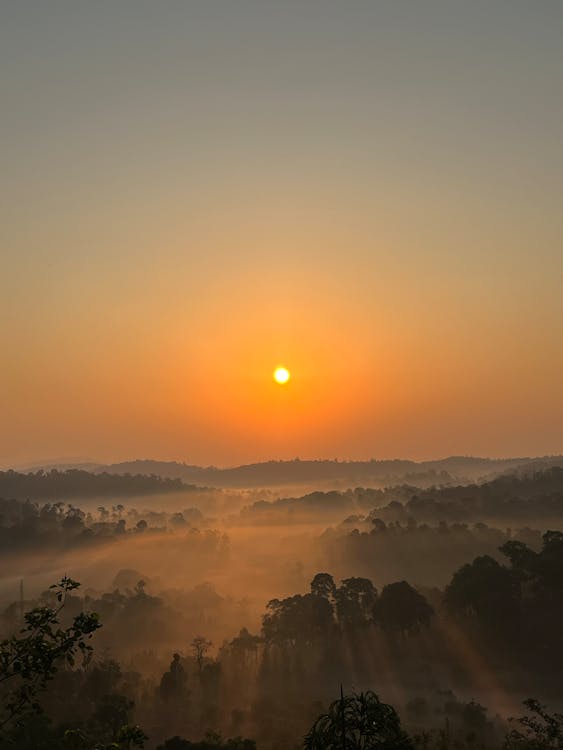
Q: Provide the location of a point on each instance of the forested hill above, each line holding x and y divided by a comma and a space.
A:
510, 497
76, 483
452, 470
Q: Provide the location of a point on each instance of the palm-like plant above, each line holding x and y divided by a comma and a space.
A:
358, 722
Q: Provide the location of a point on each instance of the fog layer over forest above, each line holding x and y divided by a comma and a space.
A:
240, 610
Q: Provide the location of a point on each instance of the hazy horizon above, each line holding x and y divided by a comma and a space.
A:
79, 460
281, 335
365, 193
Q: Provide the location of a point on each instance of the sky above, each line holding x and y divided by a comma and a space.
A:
194, 192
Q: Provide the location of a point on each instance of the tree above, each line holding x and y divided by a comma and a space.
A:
401, 609
523, 560
111, 715
550, 573
355, 601
173, 682
539, 730
199, 647
297, 619
245, 641
126, 738
358, 722
323, 585
243, 646
29, 661
484, 589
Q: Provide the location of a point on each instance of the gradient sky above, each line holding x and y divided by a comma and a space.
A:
367, 192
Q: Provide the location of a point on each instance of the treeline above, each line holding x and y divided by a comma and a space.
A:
516, 605
385, 472
315, 505
28, 525
77, 483
496, 624
506, 499
427, 554
140, 623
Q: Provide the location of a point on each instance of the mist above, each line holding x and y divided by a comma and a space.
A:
290, 595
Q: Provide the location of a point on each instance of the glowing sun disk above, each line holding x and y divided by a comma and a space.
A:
281, 375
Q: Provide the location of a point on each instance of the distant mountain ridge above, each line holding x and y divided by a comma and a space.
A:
61, 484
454, 469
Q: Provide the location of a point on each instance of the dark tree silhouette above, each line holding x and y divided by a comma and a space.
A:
358, 722
323, 585
297, 619
538, 730
173, 682
484, 589
355, 601
29, 661
402, 609
199, 647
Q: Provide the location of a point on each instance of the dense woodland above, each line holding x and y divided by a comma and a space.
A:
25, 524
378, 473
506, 499
77, 483
437, 630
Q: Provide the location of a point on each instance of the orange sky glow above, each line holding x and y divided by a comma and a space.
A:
199, 197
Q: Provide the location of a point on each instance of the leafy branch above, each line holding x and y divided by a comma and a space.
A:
28, 661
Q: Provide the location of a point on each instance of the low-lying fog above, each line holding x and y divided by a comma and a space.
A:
164, 568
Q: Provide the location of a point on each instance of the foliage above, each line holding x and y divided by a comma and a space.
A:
539, 730
358, 722
482, 589
402, 609
323, 585
354, 604
297, 619
74, 483
29, 661
355, 601
126, 738
199, 648
44, 652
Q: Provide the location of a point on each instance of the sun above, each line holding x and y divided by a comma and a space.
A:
281, 375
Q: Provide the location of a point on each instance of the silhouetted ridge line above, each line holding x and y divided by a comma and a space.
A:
454, 469
76, 483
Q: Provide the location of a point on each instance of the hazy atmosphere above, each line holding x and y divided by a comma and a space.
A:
281, 325
367, 193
